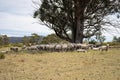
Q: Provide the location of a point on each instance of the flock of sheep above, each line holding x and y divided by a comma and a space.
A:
63, 47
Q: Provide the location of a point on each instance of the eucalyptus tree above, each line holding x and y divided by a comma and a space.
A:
26, 40
34, 38
4, 40
81, 18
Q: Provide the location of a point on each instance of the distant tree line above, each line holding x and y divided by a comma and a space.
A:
53, 38
36, 39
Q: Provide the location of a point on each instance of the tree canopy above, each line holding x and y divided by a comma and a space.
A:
4, 40
81, 18
33, 39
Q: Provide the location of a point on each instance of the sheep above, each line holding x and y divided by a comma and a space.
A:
31, 48
41, 47
85, 46
15, 49
77, 46
104, 48
58, 47
24, 47
71, 47
51, 47
98, 45
95, 49
47, 47
64, 47
5, 51
90, 46
81, 50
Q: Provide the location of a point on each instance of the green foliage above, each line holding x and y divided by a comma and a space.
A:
25, 40
52, 39
116, 39
16, 44
92, 41
4, 40
33, 39
112, 43
2, 56
80, 17
99, 37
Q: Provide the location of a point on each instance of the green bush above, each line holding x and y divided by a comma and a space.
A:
16, 44
2, 56
112, 43
52, 38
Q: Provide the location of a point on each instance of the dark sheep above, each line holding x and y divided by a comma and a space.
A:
15, 49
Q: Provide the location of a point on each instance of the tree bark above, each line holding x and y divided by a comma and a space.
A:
79, 31
79, 19
73, 33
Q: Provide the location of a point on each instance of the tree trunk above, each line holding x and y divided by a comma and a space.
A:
79, 31
79, 22
73, 33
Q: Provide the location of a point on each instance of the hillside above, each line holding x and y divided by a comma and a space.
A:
15, 39
19, 39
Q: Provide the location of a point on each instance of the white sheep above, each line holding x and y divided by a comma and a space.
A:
81, 50
104, 48
5, 51
96, 49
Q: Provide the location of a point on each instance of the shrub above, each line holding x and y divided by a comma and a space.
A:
2, 56
113, 43
52, 38
16, 44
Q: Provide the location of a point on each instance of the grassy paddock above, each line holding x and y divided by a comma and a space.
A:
93, 65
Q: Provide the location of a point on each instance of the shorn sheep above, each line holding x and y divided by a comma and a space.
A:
96, 49
81, 50
31, 48
104, 48
66, 47
4, 51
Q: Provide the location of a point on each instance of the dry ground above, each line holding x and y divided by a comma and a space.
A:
92, 65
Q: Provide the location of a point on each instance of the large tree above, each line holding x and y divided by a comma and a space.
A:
81, 18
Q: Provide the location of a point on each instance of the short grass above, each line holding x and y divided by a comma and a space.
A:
93, 65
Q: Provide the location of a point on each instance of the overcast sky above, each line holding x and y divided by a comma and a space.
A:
16, 19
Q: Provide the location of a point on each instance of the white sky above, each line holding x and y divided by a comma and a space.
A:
16, 20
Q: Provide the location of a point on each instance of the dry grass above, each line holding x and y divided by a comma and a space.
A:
92, 65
